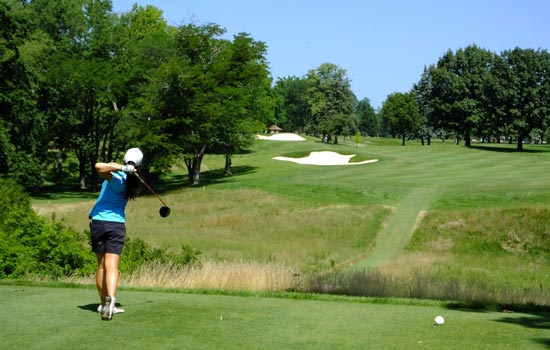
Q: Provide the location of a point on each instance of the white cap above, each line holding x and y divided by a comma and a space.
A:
133, 155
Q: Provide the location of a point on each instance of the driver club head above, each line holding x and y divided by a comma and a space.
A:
164, 211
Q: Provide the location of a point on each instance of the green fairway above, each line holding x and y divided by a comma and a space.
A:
447, 168
58, 318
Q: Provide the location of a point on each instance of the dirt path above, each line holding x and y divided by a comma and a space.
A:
397, 231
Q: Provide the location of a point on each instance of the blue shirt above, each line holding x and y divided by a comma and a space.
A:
112, 199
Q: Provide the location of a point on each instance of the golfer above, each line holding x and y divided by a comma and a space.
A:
107, 225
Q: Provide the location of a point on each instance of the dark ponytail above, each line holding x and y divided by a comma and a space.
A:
132, 186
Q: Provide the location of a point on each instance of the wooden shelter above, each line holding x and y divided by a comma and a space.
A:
274, 129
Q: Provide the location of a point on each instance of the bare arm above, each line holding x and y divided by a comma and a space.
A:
105, 169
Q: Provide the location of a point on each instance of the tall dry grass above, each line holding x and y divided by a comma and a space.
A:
211, 275
237, 276
423, 284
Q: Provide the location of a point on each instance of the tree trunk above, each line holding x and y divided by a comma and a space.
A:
196, 170
520, 143
467, 139
403, 140
82, 166
59, 166
227, 170
82, 172
194, 166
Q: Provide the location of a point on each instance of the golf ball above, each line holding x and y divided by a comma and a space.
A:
439, 320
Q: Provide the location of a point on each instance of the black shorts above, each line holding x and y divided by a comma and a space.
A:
107, 236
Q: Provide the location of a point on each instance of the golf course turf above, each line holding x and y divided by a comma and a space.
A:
66, 318
409, 180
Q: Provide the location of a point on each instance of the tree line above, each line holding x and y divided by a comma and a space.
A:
78, 81
468, 94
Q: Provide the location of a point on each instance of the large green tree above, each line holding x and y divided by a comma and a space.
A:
368, 120
292, 111
523, 91
146, 43
23, 127
243, 86
331, 100
458, 83
401, 111
82, 80
187, 100
61, 23
423, 91
98, 73
211, 95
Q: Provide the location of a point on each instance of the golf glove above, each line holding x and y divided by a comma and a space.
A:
128, 168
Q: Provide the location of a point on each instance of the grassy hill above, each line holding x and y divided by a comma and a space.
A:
440, 221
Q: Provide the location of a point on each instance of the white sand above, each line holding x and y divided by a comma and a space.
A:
314, 158
284, 136
325, 158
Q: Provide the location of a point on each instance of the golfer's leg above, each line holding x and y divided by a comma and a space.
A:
111, 273
100, 278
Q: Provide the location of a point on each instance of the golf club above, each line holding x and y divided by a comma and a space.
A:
164, 211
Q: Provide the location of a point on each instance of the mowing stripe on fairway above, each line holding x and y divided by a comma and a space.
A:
397, 231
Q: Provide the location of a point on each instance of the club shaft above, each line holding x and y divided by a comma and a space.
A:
150, 189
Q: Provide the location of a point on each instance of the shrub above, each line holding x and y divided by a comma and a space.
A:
32, 245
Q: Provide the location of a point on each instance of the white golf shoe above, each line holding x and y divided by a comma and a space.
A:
108, 309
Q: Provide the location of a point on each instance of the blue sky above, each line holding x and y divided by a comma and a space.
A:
382, 44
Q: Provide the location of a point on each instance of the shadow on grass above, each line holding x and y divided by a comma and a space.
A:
545, 342
88, 307
475, 306
168, 183
93, 307
218, 176
173, 182
536, 321
64, 190
507, 149
471, 306
537, 317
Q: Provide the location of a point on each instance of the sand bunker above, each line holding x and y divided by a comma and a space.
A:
325, 158
314, 158
286, 136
